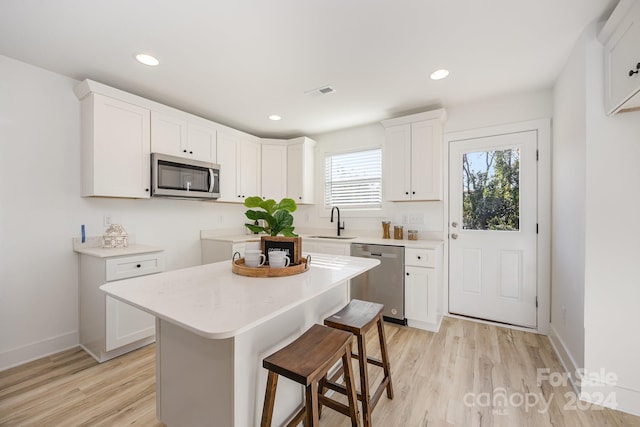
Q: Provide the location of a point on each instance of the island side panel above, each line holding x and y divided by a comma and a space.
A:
253, 346
194, 378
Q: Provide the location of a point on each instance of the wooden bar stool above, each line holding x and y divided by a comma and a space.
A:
306, 361
358, 317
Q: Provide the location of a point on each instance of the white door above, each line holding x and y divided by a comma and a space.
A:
492, 228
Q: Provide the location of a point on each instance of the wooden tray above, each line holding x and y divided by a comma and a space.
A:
238, 267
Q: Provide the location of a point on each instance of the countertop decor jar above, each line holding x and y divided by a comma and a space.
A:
398, 232
386, 232
412, 234
115, 237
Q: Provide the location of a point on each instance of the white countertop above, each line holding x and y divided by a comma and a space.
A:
212, 302
239, 238
116, 252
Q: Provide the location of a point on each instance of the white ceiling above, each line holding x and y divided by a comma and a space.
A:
238, 61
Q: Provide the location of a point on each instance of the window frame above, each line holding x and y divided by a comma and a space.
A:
377, 209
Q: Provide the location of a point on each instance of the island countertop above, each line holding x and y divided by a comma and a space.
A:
215, 303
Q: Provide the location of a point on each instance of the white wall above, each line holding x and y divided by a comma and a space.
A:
596, 232
41, 211
568, 214
612, 287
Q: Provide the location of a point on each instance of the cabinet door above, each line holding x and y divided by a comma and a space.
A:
116, 154
227, 158
201, 143
397, 167
168, 134
420, 294
622, 56
248, 170
126, 324
426, 160
300, 179
274, 172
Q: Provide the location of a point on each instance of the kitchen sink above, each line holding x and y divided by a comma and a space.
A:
331, 237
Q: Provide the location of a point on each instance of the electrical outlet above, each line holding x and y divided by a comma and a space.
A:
416, 219
106, 219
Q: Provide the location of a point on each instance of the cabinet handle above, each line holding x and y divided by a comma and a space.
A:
632, 72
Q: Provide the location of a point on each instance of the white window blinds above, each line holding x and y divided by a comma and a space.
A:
353, 180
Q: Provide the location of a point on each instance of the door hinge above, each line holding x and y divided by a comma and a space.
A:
536, 302
537, 155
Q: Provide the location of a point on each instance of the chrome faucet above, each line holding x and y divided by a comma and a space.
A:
339, 227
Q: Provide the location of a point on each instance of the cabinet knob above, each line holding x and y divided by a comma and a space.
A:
406, 192
184, 151
300, 197
419, 257
632, 72
413, 192
407, 274
138, 265
146, 189
190, 152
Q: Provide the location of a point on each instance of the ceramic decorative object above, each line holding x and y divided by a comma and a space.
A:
115, 237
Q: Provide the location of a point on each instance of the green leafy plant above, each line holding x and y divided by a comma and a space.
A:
276, 217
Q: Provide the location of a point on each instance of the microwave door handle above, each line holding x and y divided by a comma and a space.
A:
211, 180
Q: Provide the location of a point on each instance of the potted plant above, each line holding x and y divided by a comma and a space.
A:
276, 217
273, 219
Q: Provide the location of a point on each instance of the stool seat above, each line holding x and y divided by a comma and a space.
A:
358, 317
306, 361
303, 359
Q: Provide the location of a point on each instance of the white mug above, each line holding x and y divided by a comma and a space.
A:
254, 258
278, 259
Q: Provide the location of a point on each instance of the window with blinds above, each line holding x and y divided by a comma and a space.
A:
353, 180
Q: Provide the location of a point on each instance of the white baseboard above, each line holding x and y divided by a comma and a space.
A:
37, 350
612, 396
432, 327
568, 363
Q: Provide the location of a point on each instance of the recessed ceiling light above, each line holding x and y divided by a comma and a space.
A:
439, 74
274, 117
147, 59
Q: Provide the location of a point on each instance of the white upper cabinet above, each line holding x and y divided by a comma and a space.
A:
274, 170
115, 148
178, 135
240, 166
300, 158
621, 39
413, 157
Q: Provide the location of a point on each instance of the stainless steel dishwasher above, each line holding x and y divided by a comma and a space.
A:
383, 284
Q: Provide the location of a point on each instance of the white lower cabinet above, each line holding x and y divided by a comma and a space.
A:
325, 248
220, 250
108, 327
422, 283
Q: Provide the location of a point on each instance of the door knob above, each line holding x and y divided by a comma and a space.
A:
454, 236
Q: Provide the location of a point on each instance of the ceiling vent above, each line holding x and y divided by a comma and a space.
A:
324, 90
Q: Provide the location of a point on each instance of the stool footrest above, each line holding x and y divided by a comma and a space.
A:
336, 406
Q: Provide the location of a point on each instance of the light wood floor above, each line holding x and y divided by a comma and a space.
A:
451, 378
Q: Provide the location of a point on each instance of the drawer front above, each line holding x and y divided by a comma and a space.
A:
133, 266
420, 257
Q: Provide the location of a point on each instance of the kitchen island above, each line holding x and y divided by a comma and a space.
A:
213, 328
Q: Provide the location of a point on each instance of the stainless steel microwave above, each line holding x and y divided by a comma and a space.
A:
184, 178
